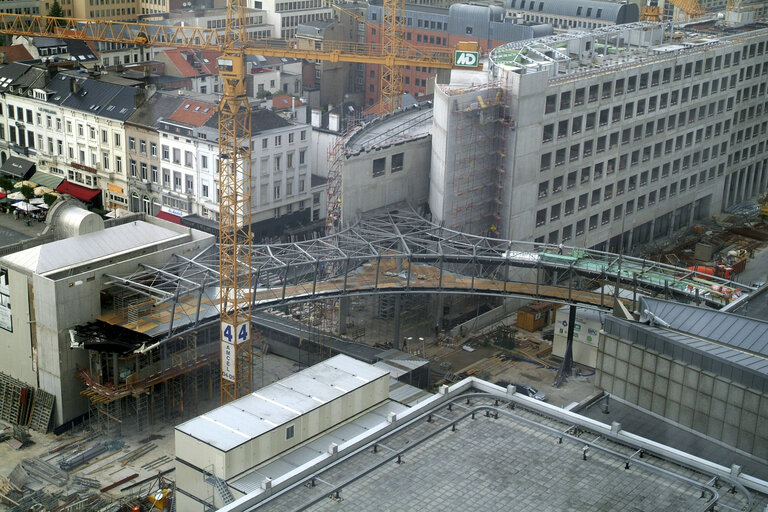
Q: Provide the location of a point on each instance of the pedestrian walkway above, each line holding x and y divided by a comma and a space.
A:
13, 230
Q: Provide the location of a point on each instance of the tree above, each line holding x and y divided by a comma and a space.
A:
56, 11
27, 192
6, 184
50, 198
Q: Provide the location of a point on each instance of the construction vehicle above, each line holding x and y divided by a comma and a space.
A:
236, 286
717, 270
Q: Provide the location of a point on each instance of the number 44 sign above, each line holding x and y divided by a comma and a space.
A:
241, 334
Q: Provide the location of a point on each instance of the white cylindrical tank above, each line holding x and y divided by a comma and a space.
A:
68, 218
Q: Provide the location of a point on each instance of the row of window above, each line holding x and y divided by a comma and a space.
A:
397, 163
630, 136
570, 206
18, 114
612, 88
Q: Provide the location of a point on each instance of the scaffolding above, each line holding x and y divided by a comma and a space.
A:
136, 390
477, 159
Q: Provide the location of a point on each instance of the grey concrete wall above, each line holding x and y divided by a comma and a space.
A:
17, 348
361, 192
700, 400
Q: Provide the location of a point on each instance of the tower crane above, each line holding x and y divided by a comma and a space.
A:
652, 12
236, 283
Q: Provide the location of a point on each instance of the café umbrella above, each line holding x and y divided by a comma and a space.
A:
26, 207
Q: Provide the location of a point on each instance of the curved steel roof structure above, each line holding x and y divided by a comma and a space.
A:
401, 252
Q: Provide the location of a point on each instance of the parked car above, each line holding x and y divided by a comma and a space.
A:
525, 389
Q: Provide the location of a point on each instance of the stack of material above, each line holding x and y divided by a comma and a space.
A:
15, 400
42, 410
44, 471
83, 457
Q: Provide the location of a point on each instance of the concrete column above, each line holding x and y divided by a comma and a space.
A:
740, 187
567, 366
396, 341
692, 214
651, 230
671, 222
343, 314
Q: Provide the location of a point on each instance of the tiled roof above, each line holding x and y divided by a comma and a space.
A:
193, 113
181, 60
159, 106
283, 102
15, 52
262, 120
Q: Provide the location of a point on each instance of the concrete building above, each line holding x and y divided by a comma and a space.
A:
273, 75
441, 27
227, 442
23, 6
362, 449
702, 369
255, 19
622, 138
564, 15
49, 289
285, 17
337, 82
384, 163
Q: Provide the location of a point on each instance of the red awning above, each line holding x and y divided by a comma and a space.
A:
2, 195
169, 217
78, 191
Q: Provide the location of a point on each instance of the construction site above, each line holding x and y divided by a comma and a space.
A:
150, 359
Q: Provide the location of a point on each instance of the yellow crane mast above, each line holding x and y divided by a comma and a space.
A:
236, 285
652, 12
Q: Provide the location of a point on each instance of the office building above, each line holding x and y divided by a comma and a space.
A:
606, 139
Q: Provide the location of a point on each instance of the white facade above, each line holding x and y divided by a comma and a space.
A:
275, 76
281, 171
84, 148
286, 16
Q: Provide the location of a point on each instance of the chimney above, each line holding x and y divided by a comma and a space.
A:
139, 97
75, 85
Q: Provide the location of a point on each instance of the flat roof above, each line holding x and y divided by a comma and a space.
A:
52, 257
246, 418
491, 461
413, 123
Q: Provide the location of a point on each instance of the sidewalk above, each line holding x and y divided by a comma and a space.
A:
13, 231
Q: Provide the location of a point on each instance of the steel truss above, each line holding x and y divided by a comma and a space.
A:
401, 252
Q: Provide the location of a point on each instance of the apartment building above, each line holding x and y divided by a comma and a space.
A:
200, 67
143, 153
607, 139
442, 27
273, 75
336, 82
70, 125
